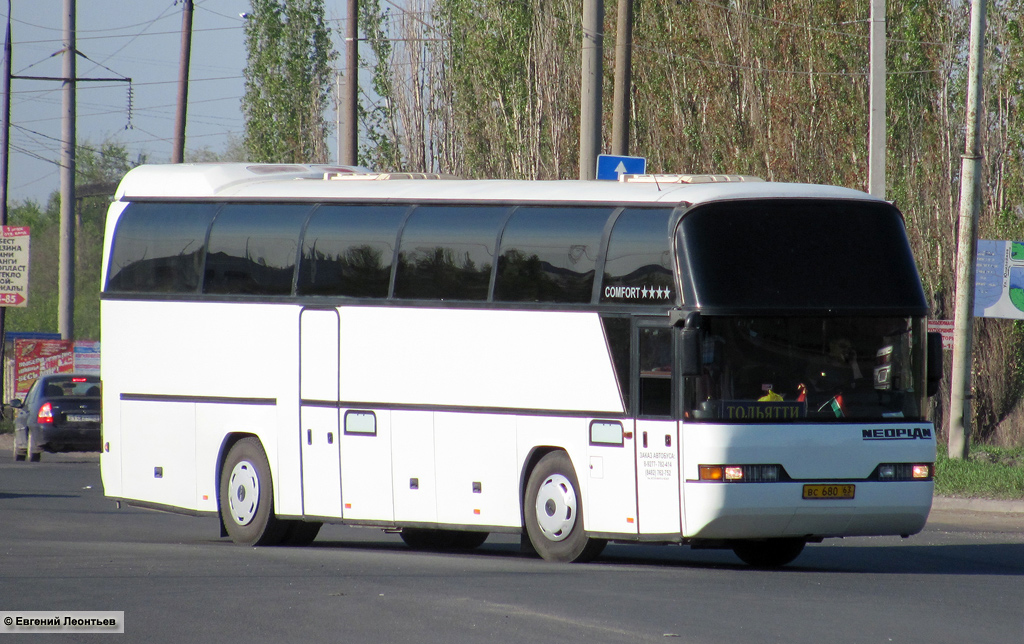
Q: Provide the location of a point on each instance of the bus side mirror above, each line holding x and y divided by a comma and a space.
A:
934, 363
690, 361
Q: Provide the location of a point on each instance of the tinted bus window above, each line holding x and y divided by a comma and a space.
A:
447, 253
348, 251
253, 248
799, 254
638, 268
158, 248
549, 254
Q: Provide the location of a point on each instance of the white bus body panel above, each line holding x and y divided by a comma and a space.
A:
366, 479
159, 452
477, 358
809, 454
611, 481
657, 477
244, 363
412, 463
477, 469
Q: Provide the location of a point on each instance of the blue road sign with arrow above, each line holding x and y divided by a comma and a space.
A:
611, 167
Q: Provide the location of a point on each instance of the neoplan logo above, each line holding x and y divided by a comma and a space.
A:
896, 434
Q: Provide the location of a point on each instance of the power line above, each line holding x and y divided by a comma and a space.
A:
88, 31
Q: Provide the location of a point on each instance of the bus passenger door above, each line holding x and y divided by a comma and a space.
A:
318, 412
657, 433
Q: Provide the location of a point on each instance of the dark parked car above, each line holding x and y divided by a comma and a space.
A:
61, 413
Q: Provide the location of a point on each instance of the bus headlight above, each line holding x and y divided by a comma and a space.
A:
741, 473
904, 472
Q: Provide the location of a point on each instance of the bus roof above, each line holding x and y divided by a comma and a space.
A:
231, 181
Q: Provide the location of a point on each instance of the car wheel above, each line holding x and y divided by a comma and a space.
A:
553, 512
18, 454
31, 449
247, 496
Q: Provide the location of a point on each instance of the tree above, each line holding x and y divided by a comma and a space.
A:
774, 88
101, 168
287, 81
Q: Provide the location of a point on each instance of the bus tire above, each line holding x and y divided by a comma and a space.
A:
247, 496
769, 553
553, 512
442, 540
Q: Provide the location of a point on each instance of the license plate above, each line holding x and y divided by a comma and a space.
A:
829, 491
82, 418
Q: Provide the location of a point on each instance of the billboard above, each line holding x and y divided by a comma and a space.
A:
999, 279
34, 358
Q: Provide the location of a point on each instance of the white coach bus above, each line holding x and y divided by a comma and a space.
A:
707, 360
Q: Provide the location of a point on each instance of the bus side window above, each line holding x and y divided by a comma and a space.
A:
446, 252
347, 250
655, 395
158, 248
549, 254
638, 268
252, 249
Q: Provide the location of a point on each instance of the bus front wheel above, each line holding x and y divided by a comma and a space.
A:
553, 512
769, 553
247, 496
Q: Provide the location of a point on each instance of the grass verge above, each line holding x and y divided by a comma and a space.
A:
989, 473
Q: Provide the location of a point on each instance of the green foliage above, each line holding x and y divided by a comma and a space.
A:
104, 165
384, 151
287, 81
990, 473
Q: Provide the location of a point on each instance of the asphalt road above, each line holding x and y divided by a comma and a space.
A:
64, 547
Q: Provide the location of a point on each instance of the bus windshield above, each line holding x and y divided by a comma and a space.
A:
815, 369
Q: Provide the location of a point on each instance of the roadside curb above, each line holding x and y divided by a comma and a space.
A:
977, 505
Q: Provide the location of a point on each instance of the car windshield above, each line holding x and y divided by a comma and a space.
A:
809, 369
71, 386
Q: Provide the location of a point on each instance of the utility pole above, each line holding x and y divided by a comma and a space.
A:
66, 272
590, 99
5, 133
960, 410
349, 151
337, 116
621, 101
178, 152
876, 126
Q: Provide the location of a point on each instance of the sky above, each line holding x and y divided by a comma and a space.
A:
137, 39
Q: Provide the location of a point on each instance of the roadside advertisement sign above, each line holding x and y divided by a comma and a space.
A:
945, 327
34, 358
999, 279
14, 243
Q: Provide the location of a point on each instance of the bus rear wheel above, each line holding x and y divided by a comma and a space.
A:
247, 496
769, 553
553, 512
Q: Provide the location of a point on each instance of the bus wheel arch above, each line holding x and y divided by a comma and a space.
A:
553, 510
245, 494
